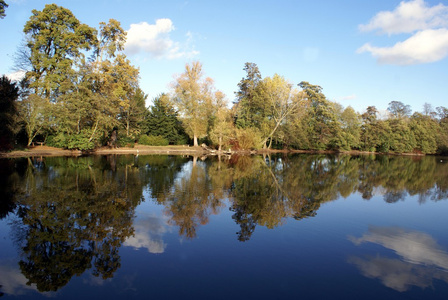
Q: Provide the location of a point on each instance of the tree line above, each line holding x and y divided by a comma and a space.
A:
81, 92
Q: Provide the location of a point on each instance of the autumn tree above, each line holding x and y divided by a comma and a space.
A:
223, 128
193, 96
277, 100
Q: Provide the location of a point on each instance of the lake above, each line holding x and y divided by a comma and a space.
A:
241, 227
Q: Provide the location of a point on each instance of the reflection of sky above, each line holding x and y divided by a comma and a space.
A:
12, 281
149, 230
422, 259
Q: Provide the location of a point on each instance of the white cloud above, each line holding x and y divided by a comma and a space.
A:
16, 76
423, 47
409, 17
428, 26
155, 40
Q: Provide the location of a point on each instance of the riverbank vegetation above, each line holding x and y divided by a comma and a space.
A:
80, 92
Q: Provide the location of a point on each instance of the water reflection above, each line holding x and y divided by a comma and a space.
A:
421, 258
12, 280
148, 233
74, 214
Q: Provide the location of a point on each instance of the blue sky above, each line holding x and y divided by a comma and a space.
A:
360, 52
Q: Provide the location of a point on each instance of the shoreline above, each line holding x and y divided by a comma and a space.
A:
172, 150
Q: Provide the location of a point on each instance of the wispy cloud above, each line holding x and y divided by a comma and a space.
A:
427, 25
155, 40
350, 97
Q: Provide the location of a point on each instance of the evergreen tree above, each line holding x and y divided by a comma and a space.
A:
163, 121
9, 93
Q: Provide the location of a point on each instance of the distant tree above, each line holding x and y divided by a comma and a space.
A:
428, 110
9, 94
3, 5
399, 110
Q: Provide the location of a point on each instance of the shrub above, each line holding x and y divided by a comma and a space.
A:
152, 140
125, 141
248, 138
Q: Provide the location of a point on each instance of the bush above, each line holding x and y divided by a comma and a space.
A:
58, 141
75, 141
151, 140
125, 141
248, 138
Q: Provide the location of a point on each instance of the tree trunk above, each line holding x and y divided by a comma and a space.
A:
219, 143
195, 140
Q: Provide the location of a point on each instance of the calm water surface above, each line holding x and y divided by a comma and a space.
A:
173, 227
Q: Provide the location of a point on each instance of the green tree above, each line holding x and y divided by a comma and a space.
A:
323, 124
425, 130
245, 103
350, 129
163, 121
9, 93
56, 40
442, 139
401, 137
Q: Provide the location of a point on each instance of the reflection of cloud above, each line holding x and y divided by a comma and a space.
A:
422, 258
148, 234
13, 282
397, 274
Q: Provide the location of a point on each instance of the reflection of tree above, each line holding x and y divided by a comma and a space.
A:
267, 190
191, 200
9, 181
161, 170
74, 218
